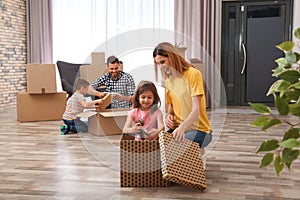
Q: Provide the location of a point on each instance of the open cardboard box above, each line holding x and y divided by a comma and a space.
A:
159, 163
107, 100
140, 164
106, 121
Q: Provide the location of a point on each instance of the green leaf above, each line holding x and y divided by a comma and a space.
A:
266, 160
297, 33
290, 57
290, 143
292, 133
268, 145
260, 108
260, 121
281, 105
278, 165
270, 123
293, 95
290, 75
277, 71
278, 86
296, 85
295, 109
286, 46
282, 62
298, 101
297, 56
289, 155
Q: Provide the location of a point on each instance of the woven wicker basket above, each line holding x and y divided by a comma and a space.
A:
181, 162
140, 164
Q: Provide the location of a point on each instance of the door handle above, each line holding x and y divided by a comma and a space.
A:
245, 58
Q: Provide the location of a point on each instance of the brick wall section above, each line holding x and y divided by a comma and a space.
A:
13, 55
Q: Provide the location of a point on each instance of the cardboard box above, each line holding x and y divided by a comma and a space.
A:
106, 122
40, 107
198, 65
41, 78
107, 100
92, 72
140, 164
181, 162
98, 58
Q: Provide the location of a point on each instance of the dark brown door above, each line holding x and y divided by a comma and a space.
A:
250, 32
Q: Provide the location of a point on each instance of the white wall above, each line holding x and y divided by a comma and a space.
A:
296, 20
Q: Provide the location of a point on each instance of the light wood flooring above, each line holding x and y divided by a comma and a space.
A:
36, 162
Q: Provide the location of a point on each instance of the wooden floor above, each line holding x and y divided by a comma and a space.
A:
36, 162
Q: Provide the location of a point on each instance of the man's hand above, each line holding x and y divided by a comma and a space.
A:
100, 94
120, 97
99, 101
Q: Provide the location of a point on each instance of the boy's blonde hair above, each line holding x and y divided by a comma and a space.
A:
80, 82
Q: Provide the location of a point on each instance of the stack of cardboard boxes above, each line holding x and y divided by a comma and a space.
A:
41, 101
97, 67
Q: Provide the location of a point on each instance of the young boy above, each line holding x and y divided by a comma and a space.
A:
75, 105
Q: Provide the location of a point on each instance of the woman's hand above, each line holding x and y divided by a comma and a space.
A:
169, 121
178, 134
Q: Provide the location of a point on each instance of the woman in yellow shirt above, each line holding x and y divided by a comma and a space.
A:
185, 97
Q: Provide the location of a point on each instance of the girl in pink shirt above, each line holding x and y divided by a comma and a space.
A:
145, 120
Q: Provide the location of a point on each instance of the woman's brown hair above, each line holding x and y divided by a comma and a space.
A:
177, 62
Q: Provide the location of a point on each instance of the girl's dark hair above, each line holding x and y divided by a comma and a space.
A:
80, 82
143, 87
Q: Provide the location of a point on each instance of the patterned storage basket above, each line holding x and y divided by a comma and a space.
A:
140, 164
181, 162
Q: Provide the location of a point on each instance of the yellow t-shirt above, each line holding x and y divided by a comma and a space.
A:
179, 93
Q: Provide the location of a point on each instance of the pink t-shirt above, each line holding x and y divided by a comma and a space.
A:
150, 119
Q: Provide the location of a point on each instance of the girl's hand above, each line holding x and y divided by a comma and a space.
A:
153, 134
137, 128
169, 121
178, 134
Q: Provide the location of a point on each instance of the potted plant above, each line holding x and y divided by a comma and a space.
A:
286, 92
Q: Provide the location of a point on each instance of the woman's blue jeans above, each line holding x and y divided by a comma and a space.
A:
202, 138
